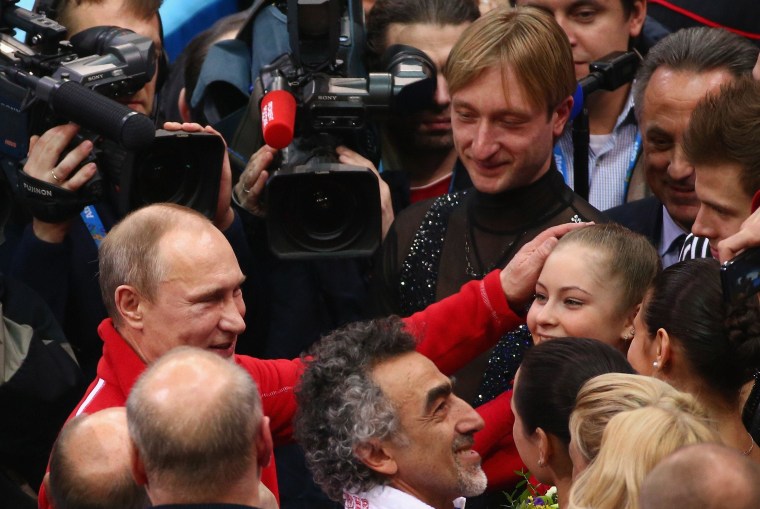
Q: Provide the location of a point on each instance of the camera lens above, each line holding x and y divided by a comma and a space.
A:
327, 216
324, 216
165, 179
323, 209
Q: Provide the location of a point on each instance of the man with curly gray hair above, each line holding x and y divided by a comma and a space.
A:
381, 424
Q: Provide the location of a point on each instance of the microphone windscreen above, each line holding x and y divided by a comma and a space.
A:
278, 118
103, 115
577, 102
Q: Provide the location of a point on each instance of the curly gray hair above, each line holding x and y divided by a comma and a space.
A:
341, 408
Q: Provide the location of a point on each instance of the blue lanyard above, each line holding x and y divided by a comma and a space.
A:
94, 224
559, 157
632, 163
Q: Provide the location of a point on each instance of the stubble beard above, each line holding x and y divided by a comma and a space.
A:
432, 142
406, 133
471, 480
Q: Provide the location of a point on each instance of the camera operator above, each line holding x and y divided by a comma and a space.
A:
615, 142
418, 156
59, 259
140, 16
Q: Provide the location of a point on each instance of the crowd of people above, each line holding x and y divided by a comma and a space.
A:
512, 325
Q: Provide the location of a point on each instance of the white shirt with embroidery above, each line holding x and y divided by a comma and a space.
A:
385, 497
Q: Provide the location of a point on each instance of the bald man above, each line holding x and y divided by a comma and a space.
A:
708, 476
89, 465
198, 431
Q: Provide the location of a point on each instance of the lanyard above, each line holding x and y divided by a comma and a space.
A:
94, 224
559, 157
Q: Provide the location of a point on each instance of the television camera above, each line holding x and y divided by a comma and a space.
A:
315, 98
51, 81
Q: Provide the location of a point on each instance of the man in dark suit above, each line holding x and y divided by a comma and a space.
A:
642, 216
677, 72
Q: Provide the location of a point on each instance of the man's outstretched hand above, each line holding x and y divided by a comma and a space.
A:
518, 278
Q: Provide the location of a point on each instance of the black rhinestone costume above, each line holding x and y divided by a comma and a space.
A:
435, 247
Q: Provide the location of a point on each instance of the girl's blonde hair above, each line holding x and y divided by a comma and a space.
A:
605, 396
632, 444
631, 259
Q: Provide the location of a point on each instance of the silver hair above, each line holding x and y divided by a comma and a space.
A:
697, 49
340, 408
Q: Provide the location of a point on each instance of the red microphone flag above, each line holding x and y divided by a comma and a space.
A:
278, 118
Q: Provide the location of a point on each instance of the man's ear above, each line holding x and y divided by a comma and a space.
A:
138, 468
637, 18
373, 454
46, 482
561, 115
129, 306
264, 444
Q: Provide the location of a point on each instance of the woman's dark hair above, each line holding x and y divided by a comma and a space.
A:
720, 342
552, 373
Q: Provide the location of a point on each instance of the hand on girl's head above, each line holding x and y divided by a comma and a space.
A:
576, 296
592, 284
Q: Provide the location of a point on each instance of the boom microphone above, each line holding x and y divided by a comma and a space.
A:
278, 118
91, 110
609, 73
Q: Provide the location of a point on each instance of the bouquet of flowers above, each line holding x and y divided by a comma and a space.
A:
531, 495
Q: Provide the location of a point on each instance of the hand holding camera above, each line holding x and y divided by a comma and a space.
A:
48, 163
348, 156
223, 215
250, 186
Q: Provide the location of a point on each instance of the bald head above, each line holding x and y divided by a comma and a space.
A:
90, 464
196, 423
705, 476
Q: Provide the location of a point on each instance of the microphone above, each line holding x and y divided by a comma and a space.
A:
91, 110
609, 73
577, 102
278, 118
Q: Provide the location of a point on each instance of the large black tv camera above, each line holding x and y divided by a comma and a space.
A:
316, 206
51, 81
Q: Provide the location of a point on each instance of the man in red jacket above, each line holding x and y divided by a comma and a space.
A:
169, 278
